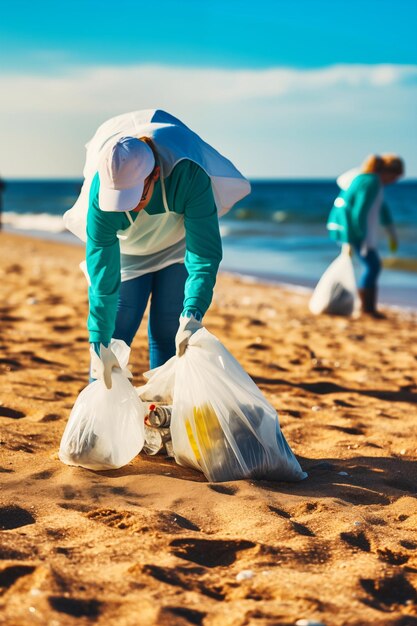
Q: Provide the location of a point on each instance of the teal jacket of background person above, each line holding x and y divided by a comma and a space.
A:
189, 193
347, 222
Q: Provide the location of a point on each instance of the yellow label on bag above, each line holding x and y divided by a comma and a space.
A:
208, 432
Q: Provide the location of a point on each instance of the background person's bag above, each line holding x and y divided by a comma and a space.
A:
336, 293
221, 424
106, 427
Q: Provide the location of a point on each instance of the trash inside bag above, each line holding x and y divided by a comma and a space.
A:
105, 429
160, 383
221, 424
157, 430
336, 293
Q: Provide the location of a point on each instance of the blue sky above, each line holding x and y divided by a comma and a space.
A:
284, 88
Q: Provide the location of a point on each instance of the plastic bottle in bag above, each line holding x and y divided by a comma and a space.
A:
157, 432
159, 416
156, 440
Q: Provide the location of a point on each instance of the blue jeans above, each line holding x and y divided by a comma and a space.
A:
166, 289
372, 268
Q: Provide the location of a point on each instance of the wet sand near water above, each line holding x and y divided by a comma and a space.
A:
154, 543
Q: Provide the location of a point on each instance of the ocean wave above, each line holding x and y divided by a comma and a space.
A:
279, 216
250, 230
276, 216
34, 221
256, 214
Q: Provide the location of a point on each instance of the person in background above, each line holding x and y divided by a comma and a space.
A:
356, 215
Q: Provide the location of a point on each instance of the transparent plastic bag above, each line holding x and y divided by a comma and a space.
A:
221, 424
336, 293
160, 385
105, 429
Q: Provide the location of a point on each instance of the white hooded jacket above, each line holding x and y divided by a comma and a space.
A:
174, 142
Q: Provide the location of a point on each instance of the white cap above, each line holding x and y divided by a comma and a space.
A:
122, 171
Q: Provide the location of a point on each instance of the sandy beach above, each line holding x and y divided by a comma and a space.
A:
154, 543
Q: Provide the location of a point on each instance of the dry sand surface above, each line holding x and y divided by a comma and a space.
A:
154, 543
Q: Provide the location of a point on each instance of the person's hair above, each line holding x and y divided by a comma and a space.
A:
152, 146
393, 164
375, 164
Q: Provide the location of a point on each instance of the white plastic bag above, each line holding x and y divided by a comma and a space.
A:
106, 427
221, 424
160, 385
336, 293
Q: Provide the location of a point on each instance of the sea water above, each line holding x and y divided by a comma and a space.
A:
278, 233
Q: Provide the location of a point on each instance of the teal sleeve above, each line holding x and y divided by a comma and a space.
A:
203, 243
385, 215
363, 195
103, 265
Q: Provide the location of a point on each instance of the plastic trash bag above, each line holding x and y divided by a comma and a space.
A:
160, 385
336, 293
105, 429
221, 424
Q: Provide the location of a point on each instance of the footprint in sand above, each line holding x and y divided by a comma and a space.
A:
343, 403
188, 578
176, 615
389, 591
12, 413
292, 413
10, 365
14, 517
300, 529
257, 346
137, 522
12, 318
77, 607
357, 540
255, 322
60, 328
280, 512
209, 553
393, 558
68, 378
349, 430
45, 475
12, 573
42, 361
50, 417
